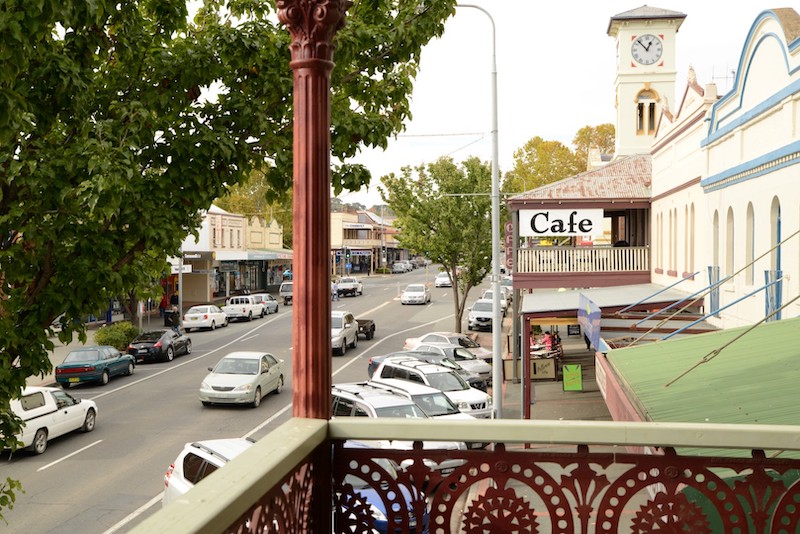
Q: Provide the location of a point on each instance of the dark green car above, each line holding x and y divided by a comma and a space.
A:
93, 364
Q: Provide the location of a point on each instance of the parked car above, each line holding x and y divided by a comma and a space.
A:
243, 308
488, 295
399, 267
196, 461
480, 315
48, 413
462, 357
473, 379
97, 363
159, 345
365, 400
456, 338
468, 399
285, 293
242, 377
204, 316
350, 286
344, 331
416, 294
430, 400
267, 301
442, 280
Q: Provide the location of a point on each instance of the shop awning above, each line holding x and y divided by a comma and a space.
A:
753, 380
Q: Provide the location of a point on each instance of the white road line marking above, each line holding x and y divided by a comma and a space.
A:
51, 464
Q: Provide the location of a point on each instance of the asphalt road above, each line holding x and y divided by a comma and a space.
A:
110, 479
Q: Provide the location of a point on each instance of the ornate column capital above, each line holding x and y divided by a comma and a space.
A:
312, 25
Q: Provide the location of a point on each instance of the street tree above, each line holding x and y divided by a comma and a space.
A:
121, 120
444, 212
540, 162
601, 138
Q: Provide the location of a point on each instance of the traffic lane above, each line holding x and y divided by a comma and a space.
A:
143, 422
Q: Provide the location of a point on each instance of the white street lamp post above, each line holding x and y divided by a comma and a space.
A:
497, 321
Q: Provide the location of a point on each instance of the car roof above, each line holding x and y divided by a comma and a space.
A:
37, 389
225, 449
339, 312
245, 355
421, 365
412, 388
375, 396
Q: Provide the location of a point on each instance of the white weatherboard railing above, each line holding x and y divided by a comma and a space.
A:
582, 259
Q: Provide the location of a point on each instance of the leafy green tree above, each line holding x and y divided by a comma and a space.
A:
444, 212
601, 137
540, 162
120, 120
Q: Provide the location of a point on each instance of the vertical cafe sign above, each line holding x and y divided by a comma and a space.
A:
540, 223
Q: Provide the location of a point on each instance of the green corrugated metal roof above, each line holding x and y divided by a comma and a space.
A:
755, 380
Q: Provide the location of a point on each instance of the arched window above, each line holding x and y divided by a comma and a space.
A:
715, 237
646, 112
691, 240
775, 234
729, 242
750, 245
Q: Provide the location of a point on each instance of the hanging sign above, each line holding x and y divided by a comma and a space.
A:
537, 223
572, 377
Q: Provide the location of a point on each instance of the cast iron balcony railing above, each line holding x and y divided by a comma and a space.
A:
538, 476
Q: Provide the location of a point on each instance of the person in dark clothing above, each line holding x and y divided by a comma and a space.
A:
173, 300
588, 342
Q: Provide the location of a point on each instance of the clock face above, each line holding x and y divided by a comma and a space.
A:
647, 49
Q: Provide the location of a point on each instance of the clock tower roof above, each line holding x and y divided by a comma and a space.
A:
644, 13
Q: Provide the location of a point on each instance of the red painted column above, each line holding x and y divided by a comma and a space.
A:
312, 25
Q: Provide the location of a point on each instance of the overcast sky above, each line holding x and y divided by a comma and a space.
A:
555, 74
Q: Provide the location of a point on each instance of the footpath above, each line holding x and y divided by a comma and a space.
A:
549, 400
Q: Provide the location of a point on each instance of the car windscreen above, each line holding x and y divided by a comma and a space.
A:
148, 336
416, 289
410, 411
337, 322
197, 309
435, 404
447, 381
82, 356
236, 366
482, 306
467, 342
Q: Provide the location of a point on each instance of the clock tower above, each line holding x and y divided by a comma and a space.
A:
645, 73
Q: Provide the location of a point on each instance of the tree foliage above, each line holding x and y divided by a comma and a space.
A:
601, 137
540, 162
444, 212
120, 120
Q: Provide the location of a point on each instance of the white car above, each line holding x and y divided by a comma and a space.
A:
455, 338
269, 303
489, 295
480, 315
196, 461
242, 377
442, 280
204, 316
462, 357
416, 294
48, 413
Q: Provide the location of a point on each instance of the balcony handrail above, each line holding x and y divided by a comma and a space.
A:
227, 494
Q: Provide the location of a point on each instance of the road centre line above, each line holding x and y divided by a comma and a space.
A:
51, 464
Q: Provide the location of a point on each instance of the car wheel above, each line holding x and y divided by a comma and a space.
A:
170, 353
206, 403
129, 372
276, 308
39, 444
257, 398
213, 325
88, 423
354, 344
104, 378
65, 385
250, 316
188, 347
225, 324
279, 387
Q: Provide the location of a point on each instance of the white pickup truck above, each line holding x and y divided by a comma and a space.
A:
350, 285
243, 308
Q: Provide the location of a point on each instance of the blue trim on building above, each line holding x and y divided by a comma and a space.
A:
765, 164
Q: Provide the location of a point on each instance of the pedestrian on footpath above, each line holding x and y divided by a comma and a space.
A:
588, 342
335, 291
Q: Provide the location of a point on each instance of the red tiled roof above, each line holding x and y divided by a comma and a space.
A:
626, 178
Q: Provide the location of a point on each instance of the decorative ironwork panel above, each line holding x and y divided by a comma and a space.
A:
527, 490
